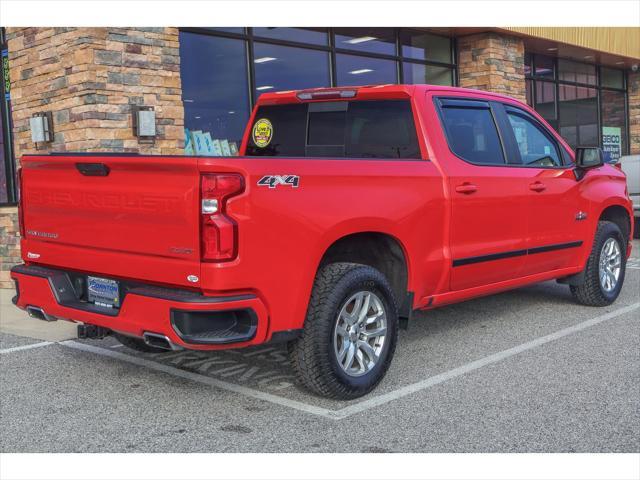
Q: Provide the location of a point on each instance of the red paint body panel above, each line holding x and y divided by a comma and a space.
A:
142, 222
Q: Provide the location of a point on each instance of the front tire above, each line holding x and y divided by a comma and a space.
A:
605, 270
350, 332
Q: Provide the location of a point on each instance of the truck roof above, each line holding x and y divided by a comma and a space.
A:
368, 92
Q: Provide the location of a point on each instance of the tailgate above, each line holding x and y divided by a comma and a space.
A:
130, 209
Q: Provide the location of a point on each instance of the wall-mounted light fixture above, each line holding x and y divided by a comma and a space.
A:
144, 124
41, 125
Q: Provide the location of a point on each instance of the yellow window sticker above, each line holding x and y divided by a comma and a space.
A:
262, 133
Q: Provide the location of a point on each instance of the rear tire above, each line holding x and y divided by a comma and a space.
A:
137, 344
350, 332
602, 282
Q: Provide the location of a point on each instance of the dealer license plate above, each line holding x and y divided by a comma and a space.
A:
103, 292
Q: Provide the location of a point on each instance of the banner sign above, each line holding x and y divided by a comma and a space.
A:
611, 143
5, 75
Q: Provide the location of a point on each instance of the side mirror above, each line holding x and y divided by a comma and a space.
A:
589, 157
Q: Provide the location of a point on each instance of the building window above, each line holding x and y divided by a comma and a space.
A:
431, 74
420, 45
289, 68
215, 93
546, 102
371, 40
569, 71
8, 189
225, 70
613, 112
585, 103
316, 36
355, 70
578, 112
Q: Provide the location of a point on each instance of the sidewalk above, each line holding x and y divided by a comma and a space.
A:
17, 322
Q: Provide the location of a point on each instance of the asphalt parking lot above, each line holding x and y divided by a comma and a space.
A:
524, 371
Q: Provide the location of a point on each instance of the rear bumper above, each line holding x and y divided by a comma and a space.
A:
180, 315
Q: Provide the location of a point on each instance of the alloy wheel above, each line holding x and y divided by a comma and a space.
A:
360, 333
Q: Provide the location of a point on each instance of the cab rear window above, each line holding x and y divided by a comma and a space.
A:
344, 129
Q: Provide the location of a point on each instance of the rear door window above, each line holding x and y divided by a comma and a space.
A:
471, 132
349, 129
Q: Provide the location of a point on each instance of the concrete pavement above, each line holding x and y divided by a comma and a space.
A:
523, 371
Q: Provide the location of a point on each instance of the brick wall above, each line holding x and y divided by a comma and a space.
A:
9, 244
90, 78
492, 62
634, 112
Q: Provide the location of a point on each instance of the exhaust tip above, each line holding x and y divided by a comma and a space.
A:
40, 314
158, 340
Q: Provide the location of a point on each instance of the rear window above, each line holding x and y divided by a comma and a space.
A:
351, 129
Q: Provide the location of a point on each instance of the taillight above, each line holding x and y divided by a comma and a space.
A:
20, 204
219, 233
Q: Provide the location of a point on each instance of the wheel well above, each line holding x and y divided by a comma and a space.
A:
377, 250
620, 217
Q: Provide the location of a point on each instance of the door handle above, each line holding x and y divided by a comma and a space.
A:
466, 188
537, 187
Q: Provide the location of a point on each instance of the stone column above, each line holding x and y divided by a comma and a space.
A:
493, 62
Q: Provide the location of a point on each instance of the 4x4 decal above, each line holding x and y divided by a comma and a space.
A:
272, 181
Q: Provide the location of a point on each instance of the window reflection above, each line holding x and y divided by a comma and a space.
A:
214, 93
354, 70
614, 135
373, 40
316, 36
527, 64
611, 78
546, 102
545, 67
418, 73
226, 29
576, 72
425, 46
578, 115
289, 68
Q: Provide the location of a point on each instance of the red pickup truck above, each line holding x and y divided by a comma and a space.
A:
347, 210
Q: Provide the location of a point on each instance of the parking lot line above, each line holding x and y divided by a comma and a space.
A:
25, 347
483, 362
373, 401
196, 377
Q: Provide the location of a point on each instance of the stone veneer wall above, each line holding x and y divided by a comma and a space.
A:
9, 244
492, 62
90, 78
634, 112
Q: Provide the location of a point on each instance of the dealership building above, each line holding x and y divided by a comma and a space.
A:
93, 88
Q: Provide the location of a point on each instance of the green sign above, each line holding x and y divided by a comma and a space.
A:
612, 143
5, 73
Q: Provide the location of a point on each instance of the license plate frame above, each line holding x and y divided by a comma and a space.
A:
103, 292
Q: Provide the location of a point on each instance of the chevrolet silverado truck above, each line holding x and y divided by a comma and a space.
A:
347, 210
